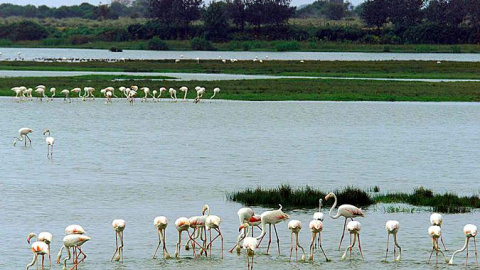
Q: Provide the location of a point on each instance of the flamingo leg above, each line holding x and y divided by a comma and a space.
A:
444, 247
476, 255
43, 260
433, 248
360, 246
312, 246
158, 246
278, 240
165, 251
269, 236
121, 242
386, 252
116, 246
49, 258
320, 245
343, 234
240, 237
291, 245
466, 260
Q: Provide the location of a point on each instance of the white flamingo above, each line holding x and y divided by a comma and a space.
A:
77, 90
250, 244
244, 215
161, 224
154, 96
19, 92
118, 226
216, 90
72, 241
470, 231
436, 219
52, 92
184, 89
44, 237
50, 141
65, 92
435, 232
295, 226
346, 211
316, 227
212, 222
181, 224
146, 92
38, 248
40, 93
272, 218
173, 94
392, 227
23, 132
354, 228
319, 215
200, 93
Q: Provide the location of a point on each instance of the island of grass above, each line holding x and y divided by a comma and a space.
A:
307, 197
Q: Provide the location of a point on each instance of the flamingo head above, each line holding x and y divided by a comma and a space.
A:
30, 236
205, 209
329, 195
46, 131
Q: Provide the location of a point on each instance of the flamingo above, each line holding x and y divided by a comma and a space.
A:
72, 241
161, 224
38, 248
173, 94
44, 237
184, 89
354, 228
40, 93
108, 95
132, 94
118, 226
181, 224
146, 92
77, 90
65, 92
52, 92
345, 210
112, 90
272, 218
435, 232
295, 226
19, 92
316, 227
23, 132
88, 92
200, 93
470, 231
319, 215
197, 223
74, 229
250, 244
244, 215
28, 93
392, 227
215, 91
436, 219
161, 91
50, 141
212, 222
154, 96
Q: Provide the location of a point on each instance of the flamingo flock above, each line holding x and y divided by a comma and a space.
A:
23, 93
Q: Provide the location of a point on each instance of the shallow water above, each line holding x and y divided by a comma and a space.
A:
138, 162
39, 53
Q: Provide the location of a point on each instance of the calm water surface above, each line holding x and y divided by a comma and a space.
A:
138, 162
33, 53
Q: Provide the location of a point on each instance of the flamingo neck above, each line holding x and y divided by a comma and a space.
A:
396, 244
333, 207
460, 250
264, 230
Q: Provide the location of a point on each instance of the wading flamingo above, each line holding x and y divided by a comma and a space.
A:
295, 226
173, 94
392, 227
319, 215
72, 241
354, 228
146, 92
316, 227
200, 93
161, 90
40, 93
181, 224
215, 91
77, 90
52, 92
212, 222
436, 219
435, 232
197, 223
154, 96
345, 210
19, 92
65, 92
50, 141
470, 231
23, 132
161, 224
272, 218
244, 215
250, 244
45, 237
38, 248
184, 89
118, 226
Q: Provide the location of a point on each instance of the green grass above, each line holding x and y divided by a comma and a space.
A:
277, 89
358, 69
307, 197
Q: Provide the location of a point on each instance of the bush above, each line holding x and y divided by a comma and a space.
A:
79, 39
157, 44
201, 44
26, 30
287, 46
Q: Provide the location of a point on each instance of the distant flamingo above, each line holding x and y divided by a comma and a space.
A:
108, 95
161, 91
316, 227
212, 222
184, 89
319, 215
295, 226
436, 219
200, 93
45, 237
23, 132
216, 90
392, 227
77, 90
354, 228
65, 92
470, 231
52, 92
40, 93
272, 218
181, 224
161, 224
435, 232
19, 92
89, 93
250, 244
28, 93
146, 92
38, 248
50, 141
118, 226
173, 94
154, 96
72, 241
345, 210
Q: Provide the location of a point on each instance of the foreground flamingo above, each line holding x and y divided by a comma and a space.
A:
50, 141
272, 218
161, 224
212, 222
118, 226
72, 241
23, 132
354, 228
316, 227
392, 227
436, 219
181, 224
244, 215
470, 231
250, 244
295, 226
38, 248
346, 211
45, 237
435, 232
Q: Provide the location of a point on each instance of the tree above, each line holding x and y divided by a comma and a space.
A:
236, 10
405, 13
278, 12
335, 11
216, 21
375, 13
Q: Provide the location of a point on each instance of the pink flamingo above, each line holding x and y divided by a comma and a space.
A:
181, 224
212, 222
23, 132
272, 218
354, 228
436, 219
435, 232
72, 241
38, 248
244, 215
250, 244
161, 224
295, 226
316, 227
470, 231
118, 226
345, 210
45, 237
392, 227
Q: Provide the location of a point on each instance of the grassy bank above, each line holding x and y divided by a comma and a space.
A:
304, 46
276, 89
307, 197
367, 69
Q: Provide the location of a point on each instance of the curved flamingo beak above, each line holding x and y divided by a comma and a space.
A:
241, 227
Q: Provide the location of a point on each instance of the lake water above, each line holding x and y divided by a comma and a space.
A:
138, 162
38, 53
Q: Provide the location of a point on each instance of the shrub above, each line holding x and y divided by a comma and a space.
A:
201, 44
287, 46
157, 44
79, 39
